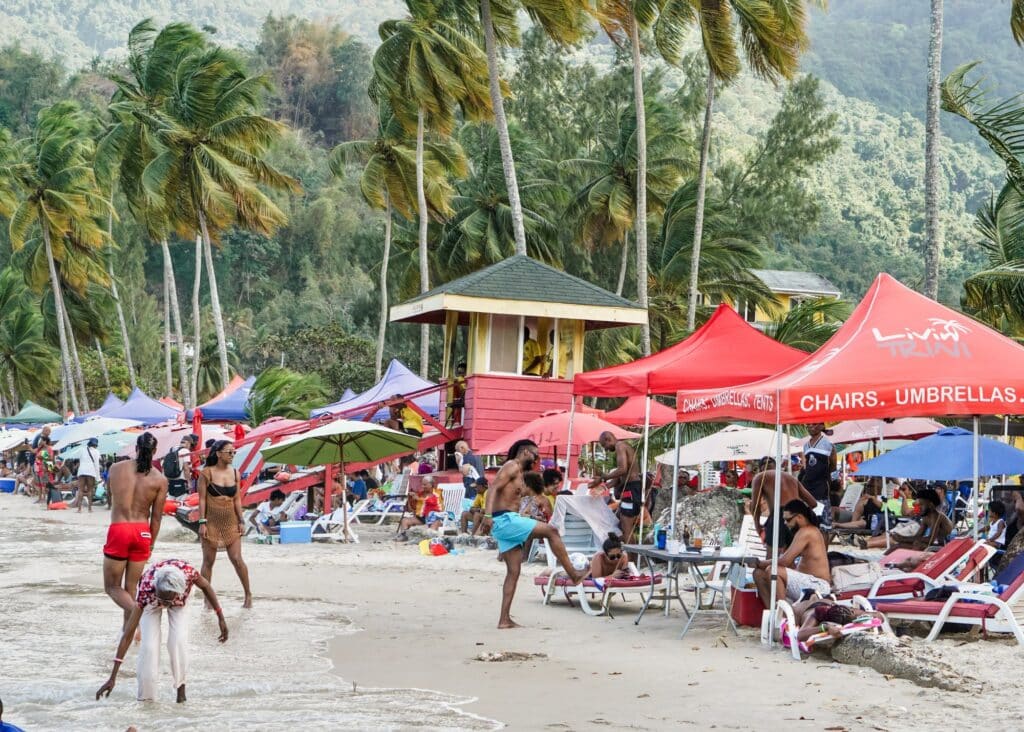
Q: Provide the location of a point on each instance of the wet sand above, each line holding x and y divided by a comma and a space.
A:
376, 636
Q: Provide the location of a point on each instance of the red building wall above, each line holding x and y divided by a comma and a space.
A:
496, 405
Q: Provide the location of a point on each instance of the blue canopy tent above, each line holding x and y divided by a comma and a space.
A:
228, 408
111, 402
396, 380
144, 409
946, 455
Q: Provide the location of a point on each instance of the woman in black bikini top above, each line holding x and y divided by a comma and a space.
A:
220, 515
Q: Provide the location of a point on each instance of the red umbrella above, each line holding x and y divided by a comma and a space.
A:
551, 432
632, 412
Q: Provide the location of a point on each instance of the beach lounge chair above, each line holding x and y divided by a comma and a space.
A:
393, 505
451, 498
968, 605
602, 591
958, 561
788, 628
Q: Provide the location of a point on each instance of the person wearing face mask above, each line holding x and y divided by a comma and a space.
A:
164, 586
513, 531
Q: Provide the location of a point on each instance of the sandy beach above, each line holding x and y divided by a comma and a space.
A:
376, 636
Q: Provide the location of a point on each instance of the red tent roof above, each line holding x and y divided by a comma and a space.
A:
632, 412
724, 351
899, 355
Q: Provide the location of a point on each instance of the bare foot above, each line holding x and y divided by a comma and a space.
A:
181, 694
508, 624
248, 602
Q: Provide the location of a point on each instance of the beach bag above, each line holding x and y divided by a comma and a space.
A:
907, 530
171, 465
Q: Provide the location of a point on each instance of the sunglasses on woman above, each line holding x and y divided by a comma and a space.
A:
616, 555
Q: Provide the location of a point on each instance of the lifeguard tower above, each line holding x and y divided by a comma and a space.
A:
520, 327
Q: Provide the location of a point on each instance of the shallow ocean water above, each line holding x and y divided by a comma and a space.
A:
57, 638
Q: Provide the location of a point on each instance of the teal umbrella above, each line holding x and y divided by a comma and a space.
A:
342, 441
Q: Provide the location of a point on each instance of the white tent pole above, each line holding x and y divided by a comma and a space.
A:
975, 487
776, 511
789, 452
675, 483
643, 468
568, 440
1006, 439
885, 513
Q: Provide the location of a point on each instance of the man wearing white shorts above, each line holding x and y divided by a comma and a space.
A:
807, 550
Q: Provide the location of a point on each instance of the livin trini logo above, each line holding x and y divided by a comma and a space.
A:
942, 336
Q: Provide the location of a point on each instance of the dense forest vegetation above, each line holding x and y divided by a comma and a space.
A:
806, 174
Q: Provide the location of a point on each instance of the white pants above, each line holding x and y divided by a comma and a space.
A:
149, 649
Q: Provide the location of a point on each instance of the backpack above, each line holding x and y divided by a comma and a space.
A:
172, 465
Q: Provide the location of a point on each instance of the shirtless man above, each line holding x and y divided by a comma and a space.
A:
626, 475
808, 548
137, 494
763, 491
512, 531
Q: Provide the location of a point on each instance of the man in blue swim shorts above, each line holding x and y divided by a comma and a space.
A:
512, 531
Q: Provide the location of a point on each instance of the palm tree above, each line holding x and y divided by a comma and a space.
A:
773, 35
209, 144
622, 21
425, 66
932, 168
208, 368
281, 392
607, 207
481, 231
730, 251
387, 183
996, 294
54, 172
152, 60
1017, 21
808, 324
564, 22
26, 361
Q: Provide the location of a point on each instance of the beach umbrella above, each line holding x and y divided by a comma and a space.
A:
69, 434
112, 443
10, 439
633, 413
857, 430
551, 432
947, 455
339, 442
732, 443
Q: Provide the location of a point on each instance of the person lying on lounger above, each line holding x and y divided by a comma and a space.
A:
934, 528
611, 562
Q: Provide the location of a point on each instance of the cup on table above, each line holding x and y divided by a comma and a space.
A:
674, 546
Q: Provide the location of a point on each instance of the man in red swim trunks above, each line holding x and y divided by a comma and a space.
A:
137, 494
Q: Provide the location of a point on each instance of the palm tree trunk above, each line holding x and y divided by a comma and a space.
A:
62, 335
501, 123
382, 327
63, 393
16, 403
421, 202
625, 264
698, 218
195, 320
79, 375
103, 364
932, 171
641, 181
117, 299
123, 325
218, 319
168, 380
172, 285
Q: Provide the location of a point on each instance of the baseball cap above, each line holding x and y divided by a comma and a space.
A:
93, 442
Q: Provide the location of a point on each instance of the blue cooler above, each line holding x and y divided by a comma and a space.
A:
7, 485
296, 532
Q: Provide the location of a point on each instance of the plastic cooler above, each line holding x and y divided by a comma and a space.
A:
746, 607
7, 485
296, 532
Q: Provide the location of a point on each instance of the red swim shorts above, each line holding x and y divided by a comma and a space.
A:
128, 541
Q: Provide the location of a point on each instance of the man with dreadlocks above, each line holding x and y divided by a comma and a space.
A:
137, 494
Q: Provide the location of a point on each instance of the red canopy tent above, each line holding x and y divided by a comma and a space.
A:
726, 350
633, 412
551, 431
899, 355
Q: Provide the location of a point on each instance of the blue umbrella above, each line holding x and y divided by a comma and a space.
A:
947, 455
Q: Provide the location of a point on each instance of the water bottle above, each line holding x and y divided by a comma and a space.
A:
725, 535
698, 538
660, 536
